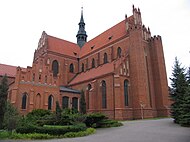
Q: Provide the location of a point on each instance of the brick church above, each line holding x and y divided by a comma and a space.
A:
121, 71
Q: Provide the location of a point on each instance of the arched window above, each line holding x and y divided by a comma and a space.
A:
65, 102
75, 103
119, 52
82, 68
93, 63
55, 68
40, 77
89, 87
24, 99
38, 101
105, 58
71, 68
50, 102
104, 101
126, 99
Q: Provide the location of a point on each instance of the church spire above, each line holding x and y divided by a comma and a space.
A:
81, 35
81, 19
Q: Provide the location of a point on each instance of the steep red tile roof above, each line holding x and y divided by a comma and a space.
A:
93, 73
110, 35
8, 70
63, 46
97, 72
73, 50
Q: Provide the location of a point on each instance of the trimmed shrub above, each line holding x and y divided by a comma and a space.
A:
70, 119
38, 117
108, 123
14, 135
26, 128
55, 126
37, 136
38, 113
47, 120
80, 134
93, 119
52, 130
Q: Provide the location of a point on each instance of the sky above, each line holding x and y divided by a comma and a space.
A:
23, 21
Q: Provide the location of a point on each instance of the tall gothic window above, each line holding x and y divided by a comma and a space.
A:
55, 68
93, 63
105, 58
75, 103
119, 52
71, 68
65, 102
104, 101
40, 77
88, 97
24, 99
126, 98
50, 102
82, 68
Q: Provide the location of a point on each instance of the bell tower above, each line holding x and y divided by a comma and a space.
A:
81, 35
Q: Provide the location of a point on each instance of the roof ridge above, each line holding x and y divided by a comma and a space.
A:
61, 39
8, 65
107, 30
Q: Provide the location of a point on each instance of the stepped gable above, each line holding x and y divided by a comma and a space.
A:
9, 70
63, 47
107, 37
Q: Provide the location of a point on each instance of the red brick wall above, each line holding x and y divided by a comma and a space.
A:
146, 74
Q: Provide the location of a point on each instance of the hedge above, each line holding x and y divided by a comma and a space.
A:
51, 130
108, 123
80, 133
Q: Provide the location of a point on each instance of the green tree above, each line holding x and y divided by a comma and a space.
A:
11, 117
188, 76
82, 103
3, 98
179, 86
185, 109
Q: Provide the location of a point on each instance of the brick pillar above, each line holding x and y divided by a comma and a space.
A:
160, 77
138, 71
118, 97
31, 100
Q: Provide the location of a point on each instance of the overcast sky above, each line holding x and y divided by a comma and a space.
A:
23, 21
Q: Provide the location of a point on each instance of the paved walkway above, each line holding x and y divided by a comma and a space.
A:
162, 130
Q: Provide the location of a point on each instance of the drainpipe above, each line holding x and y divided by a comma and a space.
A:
113, 97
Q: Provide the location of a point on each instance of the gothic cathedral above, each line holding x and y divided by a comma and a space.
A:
121, 71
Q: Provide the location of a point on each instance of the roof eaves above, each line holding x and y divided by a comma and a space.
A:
69, 90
